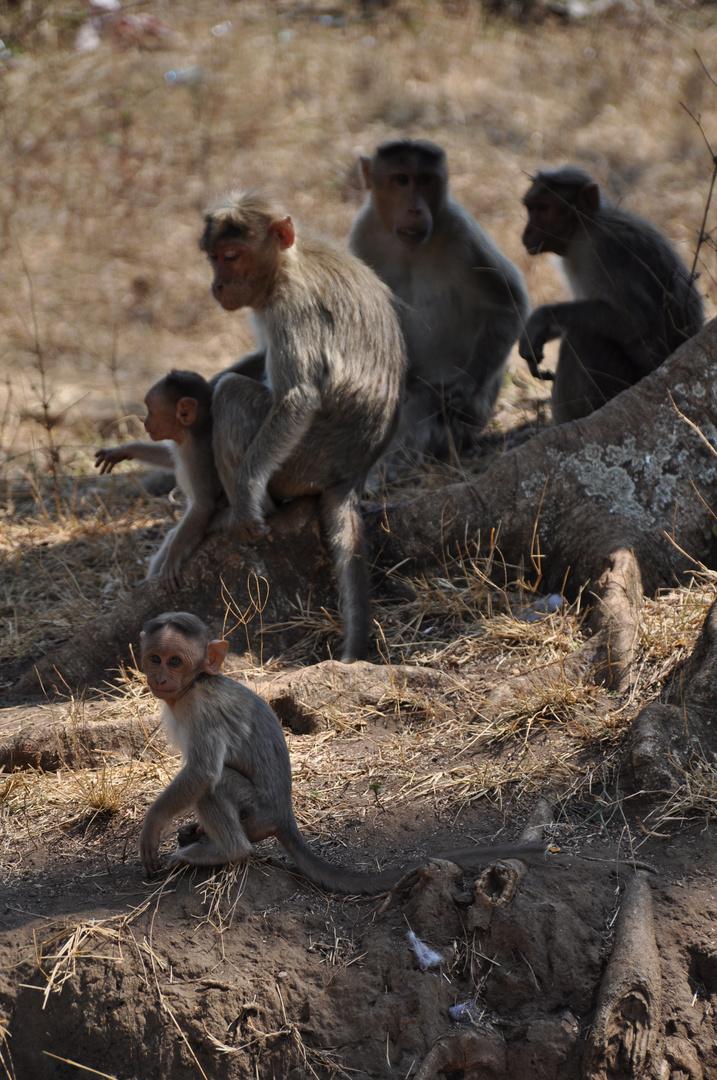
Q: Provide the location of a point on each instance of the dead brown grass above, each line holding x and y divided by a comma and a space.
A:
105, 169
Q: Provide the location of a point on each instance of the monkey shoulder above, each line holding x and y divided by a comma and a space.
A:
334, 270
632, 242
626, 261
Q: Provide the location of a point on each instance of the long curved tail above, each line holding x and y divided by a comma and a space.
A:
351, 882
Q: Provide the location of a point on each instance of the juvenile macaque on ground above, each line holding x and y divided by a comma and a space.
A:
331, 357
179, 422
634, 300
464, 302
236, 772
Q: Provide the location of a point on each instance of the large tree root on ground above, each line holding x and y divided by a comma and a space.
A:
667, 736
624, 1040
608, 655
474, 1055
634, 477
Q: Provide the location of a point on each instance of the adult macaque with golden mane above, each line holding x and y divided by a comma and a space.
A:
332, 357
179, 422
236, 772
634, 300
464, 302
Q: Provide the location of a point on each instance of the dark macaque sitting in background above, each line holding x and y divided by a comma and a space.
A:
635, 301
179, 422
464, 302
236, 772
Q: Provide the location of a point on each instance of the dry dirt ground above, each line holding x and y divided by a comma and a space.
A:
253, 973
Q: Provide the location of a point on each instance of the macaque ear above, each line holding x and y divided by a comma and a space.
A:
214, 656
588, 200
283, 231
365, 164
187, 410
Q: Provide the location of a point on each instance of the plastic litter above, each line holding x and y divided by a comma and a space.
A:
426, 956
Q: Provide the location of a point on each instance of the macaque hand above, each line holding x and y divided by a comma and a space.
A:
168, 573
457, 395
541, 327
108, 457
149, 846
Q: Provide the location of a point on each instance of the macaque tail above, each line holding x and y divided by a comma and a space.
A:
355, 883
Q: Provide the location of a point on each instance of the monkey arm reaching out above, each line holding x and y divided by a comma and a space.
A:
159, 454
595, 318
178, 421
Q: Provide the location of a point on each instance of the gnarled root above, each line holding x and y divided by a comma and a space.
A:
623, 1043
468, 1053
614, 620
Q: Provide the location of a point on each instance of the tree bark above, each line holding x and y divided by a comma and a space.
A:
623, 1043
621, 495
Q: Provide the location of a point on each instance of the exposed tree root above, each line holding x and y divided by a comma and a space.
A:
468, 1054
607, 657
665, 735
620, 495
623, 1043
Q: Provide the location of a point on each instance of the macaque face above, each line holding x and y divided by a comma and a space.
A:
407, 201
171, 661
161, 421
237, 274
551, 223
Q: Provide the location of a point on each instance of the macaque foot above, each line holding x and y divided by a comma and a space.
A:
248, 532
187, 834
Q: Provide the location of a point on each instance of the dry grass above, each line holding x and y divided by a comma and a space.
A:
106, 166
105, 171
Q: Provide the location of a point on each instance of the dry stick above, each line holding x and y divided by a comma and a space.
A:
713, 178
47, 421
624, 1037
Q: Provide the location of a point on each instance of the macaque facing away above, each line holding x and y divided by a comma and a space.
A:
634, 301
236, 772
330, 349
464, 302
179, 422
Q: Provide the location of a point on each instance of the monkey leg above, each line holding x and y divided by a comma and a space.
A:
239, 407
343, 524
591, 370
423, 429
221, 814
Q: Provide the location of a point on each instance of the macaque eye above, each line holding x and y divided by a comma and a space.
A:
175, 661
230, 256
400, 178
154, 659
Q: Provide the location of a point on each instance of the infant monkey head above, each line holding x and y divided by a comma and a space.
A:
179, 403
177, 649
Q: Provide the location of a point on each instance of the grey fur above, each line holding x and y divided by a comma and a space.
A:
634, 300
331, 359
236, 772
464, 304
193, 464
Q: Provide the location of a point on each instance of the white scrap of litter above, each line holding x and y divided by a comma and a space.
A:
427, 958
